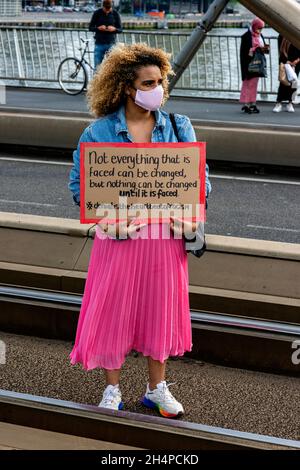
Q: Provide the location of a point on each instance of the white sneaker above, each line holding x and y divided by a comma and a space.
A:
112, 398
162, 400
290, 108
278, 108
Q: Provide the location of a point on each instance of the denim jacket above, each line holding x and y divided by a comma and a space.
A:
113, 128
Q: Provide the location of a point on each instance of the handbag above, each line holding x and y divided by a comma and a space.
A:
196, 246
291, 75
282, 77
258, 65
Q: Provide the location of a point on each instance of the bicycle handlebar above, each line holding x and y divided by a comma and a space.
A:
85, 40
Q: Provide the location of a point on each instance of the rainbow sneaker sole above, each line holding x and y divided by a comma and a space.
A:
155, 406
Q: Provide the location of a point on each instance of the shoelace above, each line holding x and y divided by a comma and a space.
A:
165, 392
110, 396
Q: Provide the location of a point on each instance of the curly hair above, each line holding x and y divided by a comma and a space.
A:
106, 90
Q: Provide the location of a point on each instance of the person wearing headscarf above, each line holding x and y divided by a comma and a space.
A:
251, 40
288, 54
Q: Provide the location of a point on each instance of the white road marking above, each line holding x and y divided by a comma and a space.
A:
7, 201
27, 160
274, 228
258, 180
212, 175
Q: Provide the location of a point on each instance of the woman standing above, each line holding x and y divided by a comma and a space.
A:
251, 41
136, 292
288, 54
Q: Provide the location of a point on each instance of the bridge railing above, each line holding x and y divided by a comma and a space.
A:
30, 56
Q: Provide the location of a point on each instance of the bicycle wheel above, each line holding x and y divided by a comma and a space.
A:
72, 76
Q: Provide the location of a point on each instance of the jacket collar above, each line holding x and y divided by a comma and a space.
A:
121, 125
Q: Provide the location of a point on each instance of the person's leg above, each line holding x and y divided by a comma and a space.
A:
99, 53
280, 98
252, 104
244, 98
112, 377
253, 85
253, 90
157, 394
244, 93
157, 372
96, 55
246, 107
289, 106
112, 396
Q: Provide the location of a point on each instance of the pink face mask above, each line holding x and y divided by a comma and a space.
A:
151, 99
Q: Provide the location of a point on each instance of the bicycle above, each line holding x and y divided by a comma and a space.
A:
73, 74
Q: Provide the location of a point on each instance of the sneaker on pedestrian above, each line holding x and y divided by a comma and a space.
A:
277, 108
163, 401
290, 108
112, 398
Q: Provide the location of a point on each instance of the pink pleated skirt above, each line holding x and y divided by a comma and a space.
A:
135, 298
249, 90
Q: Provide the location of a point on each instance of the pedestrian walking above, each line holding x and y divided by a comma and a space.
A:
251, 42
288, 54
136, 293
106, 24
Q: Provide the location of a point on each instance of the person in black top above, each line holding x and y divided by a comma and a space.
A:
288, 54
105, 23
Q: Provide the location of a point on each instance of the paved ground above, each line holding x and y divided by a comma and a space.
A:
197, 108
217, 396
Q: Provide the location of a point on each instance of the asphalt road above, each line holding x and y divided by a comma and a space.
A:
196, 108
259, 207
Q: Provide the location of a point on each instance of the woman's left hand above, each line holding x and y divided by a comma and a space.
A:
183, 227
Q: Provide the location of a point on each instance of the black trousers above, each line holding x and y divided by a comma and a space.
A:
285, 92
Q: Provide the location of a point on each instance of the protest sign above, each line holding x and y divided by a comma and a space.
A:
150, 181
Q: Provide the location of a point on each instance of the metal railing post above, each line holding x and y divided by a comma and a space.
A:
19, 61
196, 39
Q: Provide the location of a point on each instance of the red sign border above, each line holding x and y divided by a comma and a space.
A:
202, 165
